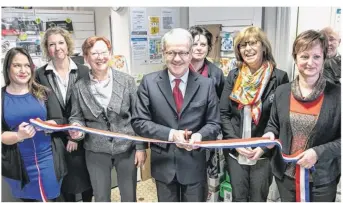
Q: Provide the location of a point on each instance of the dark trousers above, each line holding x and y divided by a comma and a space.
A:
249, 183
323, 193
86, 196
99, 166
176, 192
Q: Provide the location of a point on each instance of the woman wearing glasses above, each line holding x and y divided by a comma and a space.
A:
60, 75
103, 100
245, 107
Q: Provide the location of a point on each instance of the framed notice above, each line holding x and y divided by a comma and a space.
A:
65, 24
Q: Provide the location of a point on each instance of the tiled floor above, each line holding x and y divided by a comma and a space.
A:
146, 192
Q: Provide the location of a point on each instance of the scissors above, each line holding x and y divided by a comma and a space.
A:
186, 135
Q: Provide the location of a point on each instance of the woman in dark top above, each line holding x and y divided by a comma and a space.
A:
201, 48
245, 107
59, 75
306, 115
28, 156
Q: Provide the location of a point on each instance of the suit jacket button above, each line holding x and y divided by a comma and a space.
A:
175, 117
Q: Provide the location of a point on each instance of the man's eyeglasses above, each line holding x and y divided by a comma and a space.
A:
243, 45
96, 54
172, 54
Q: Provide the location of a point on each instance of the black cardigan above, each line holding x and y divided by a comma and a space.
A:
12, 163
325, 137
216, 74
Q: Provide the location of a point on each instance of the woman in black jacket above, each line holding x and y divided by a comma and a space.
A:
306, 115
60, 75
201, 48
245, 107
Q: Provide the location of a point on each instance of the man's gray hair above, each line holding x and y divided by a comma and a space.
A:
176, 33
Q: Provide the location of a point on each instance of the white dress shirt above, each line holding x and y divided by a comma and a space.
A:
182, 87
62, 83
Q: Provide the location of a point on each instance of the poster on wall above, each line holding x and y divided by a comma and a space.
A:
227, 41
154, 25
138, 16
139, 47
65, 24
338, 20
155, 50
7, 44
17, 26
168, 18
31, 44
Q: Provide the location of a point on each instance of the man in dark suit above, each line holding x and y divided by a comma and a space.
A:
169, 102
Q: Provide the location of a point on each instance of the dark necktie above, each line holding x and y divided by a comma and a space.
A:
177, 94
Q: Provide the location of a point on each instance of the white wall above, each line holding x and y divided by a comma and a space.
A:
121, 34
102, 22
184, 17
313, 18
227, 16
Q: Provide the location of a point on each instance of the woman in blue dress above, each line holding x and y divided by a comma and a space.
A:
27, 154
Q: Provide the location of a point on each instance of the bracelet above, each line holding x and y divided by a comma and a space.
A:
19, 139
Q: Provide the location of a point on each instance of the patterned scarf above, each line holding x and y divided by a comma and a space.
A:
249, 88
317, 90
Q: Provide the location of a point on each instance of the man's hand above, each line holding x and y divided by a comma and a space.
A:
140, 158
196, 137
308, 158
179, 137
71, 146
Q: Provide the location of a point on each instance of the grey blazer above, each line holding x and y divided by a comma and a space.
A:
155, 115
88, 112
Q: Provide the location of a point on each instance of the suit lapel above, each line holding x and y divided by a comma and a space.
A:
117, 93
191, 89
72, 80
325, 112
285, 106
52, 81
89, 99
164, 86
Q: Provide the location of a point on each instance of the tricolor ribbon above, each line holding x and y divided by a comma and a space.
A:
40, 183
302, 174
